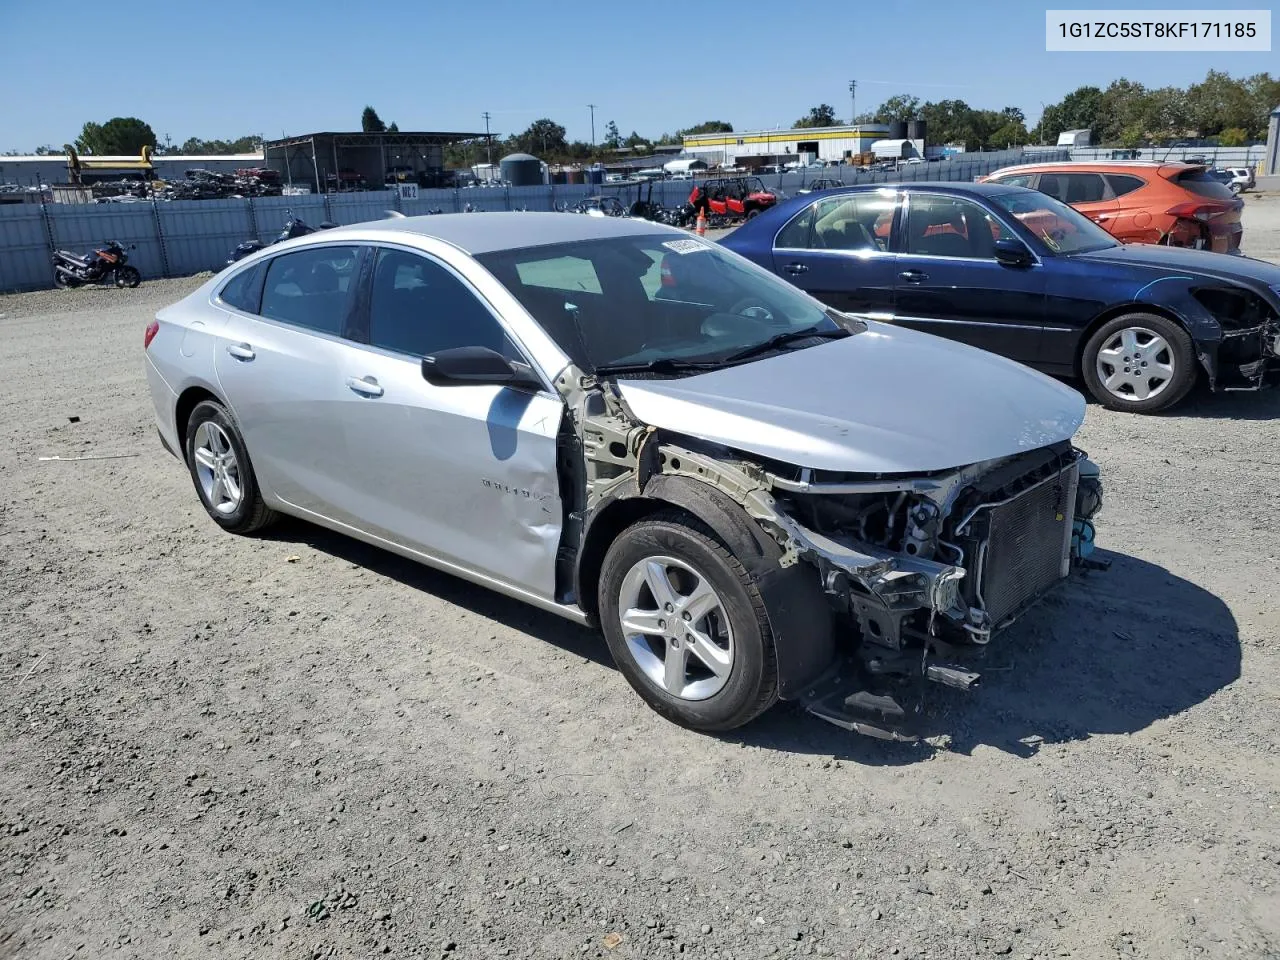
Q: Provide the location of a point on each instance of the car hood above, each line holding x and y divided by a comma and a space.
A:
888, 400
1220, 266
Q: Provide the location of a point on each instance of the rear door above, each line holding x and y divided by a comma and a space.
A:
1087, 192
278, 360
950, 284
838, 250
1132, 222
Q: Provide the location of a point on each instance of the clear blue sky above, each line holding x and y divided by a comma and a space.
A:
221, 70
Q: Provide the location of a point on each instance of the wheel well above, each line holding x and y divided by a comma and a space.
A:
1111, 314
610, 521
186, 403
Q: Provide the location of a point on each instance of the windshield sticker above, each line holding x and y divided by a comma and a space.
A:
685, 246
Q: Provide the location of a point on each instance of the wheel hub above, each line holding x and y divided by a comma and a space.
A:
217, 468
676, 628
1135, 364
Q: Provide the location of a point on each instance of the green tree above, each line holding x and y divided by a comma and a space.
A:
1217, 102
119, 136
370, 122
543, 137
896, 109
1263, 92
823, 115
707, 126
1078, 110
194, 145
393, 127
612, 139
1233, 137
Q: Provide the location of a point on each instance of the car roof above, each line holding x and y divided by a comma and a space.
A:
1094, 166
477, 233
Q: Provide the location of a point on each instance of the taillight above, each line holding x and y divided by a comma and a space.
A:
152, 329
1196, 210
667, 279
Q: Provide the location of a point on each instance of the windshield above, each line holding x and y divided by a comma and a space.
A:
1056, 226
661, 298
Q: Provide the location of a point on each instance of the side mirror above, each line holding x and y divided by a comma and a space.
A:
1013, 253
471, 365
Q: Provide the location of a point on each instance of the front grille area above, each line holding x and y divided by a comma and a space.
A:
1028, 544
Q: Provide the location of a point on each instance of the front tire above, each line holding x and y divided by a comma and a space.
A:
1139, 362
221, 471
128, 277
686, 624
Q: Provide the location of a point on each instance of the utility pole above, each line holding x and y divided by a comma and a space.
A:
853, 102
488, 141
592, 108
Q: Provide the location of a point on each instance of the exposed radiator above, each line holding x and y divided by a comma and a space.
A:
1028, 547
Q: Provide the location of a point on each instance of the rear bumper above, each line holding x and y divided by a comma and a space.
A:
164, 402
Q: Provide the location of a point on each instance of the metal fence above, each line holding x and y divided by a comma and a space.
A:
182, 237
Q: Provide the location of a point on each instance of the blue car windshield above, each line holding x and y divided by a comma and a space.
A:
657, 299
1055, 225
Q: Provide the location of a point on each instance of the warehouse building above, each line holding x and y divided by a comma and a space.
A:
31, 171
358, 161
829, 144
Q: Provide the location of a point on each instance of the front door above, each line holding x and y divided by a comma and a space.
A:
950, 284
1087, 192
837, 249
465, 474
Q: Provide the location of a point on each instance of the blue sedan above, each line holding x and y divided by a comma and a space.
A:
1016, 272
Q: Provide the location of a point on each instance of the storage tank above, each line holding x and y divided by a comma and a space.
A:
917, 130
897, 130
521, 170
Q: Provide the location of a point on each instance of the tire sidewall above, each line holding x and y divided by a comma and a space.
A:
736, 702
128, 277
208, 410
1180, 345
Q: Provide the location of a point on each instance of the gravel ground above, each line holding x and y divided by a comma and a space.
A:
299, 746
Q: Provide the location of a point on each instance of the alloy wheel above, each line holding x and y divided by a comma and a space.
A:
1135, 363
217, 468
676, 628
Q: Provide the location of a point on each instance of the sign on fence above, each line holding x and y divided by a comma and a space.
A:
408, 191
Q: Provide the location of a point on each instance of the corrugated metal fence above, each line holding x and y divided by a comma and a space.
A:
182, 237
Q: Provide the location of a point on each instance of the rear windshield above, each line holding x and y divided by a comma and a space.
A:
1200, 182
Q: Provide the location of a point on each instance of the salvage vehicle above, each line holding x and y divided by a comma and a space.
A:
754, 496
1014, 271
732, 197
107, 264
1142, 201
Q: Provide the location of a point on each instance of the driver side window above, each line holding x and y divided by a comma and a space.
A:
419, 307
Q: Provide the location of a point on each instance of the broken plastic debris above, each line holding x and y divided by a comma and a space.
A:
612, 940
293, 558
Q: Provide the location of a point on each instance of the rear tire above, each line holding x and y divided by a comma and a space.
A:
222, 472
719, 687
1124, 360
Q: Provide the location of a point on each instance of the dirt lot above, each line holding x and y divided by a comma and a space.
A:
301, 747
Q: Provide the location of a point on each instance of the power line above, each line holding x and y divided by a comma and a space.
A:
853, 101
488, 140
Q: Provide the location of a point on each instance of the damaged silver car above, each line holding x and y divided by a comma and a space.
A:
755, 497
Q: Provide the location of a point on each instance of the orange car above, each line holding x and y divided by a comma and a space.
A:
1141, 201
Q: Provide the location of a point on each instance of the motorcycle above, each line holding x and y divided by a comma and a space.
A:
293, 227
73, 270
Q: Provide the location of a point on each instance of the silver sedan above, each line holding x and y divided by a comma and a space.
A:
754, 496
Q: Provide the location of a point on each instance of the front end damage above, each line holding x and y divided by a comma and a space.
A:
876, 586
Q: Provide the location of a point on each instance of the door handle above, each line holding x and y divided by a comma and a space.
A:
241, 351
1102, 216
365, 386
913, 276
796, 268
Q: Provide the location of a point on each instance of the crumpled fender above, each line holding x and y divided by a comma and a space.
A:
799, 615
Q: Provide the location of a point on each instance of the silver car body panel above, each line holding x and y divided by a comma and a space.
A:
888, 400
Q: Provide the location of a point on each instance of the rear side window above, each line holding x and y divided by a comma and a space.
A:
1017, 180
311, 288
1085, 188
244, 290
418, 307
1200, 183
1122, 183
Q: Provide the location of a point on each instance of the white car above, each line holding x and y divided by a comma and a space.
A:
1241, 178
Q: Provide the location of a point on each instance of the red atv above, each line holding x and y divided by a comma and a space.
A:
731, 197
